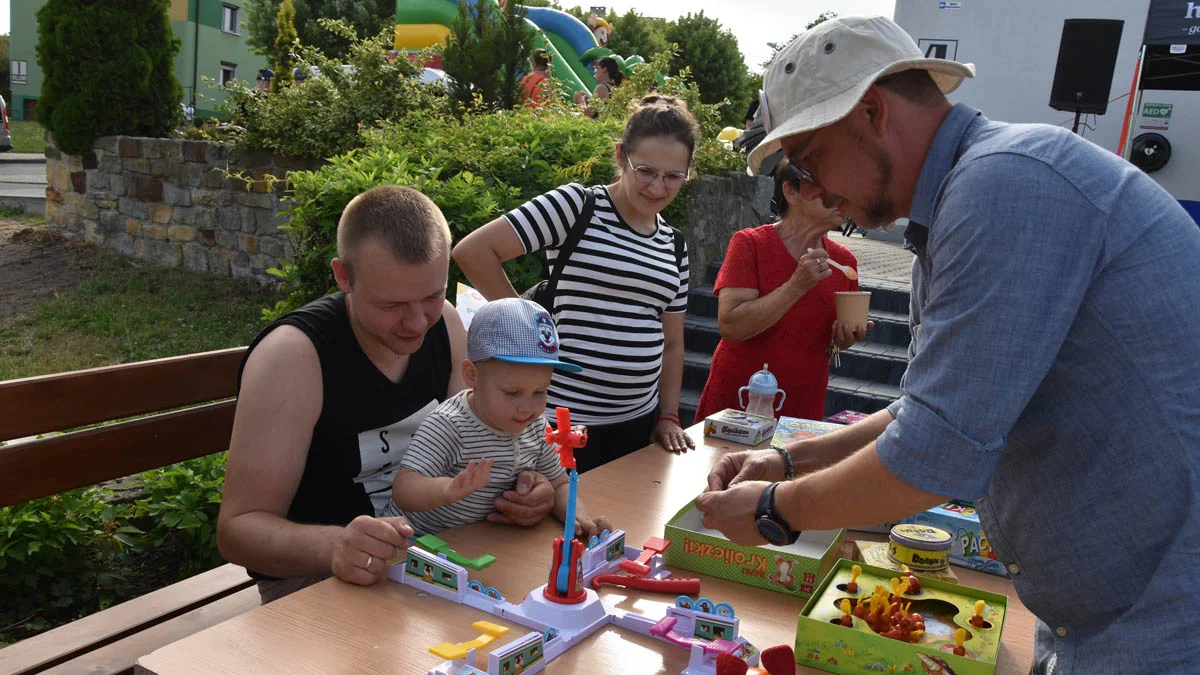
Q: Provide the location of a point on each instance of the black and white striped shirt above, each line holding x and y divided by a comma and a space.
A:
449, 438
610, 299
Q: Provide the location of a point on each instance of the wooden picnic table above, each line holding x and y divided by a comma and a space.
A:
334, 627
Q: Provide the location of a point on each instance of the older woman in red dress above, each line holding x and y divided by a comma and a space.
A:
776, 305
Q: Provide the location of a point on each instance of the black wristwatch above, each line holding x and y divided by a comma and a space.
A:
770, 524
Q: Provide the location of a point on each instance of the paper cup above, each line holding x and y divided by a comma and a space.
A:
852, 307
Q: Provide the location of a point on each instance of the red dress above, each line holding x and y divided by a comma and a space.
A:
793, 348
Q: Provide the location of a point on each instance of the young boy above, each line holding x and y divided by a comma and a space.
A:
469, 450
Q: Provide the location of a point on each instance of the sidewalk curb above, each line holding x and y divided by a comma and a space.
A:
38, 159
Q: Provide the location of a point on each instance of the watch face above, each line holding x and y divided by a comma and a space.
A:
772, 532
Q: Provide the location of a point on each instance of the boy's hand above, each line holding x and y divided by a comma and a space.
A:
477, 475
586, 528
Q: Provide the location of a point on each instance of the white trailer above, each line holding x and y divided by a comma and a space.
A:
1014, 45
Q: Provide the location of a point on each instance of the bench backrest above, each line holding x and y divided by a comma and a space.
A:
37, 405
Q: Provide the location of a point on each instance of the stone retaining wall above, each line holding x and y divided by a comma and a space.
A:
171, 202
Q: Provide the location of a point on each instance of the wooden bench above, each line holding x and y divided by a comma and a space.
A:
111, 640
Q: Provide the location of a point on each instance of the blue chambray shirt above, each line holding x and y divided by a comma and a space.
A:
1055, 380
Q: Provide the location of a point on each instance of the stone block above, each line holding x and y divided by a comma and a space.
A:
248, 219
117, 185
97, 181
112, 221
132, 208
194, 151
203, 216
206, 236
89, 210
106, 144
79, 182
190, 175
213, 178
228, 240
176, 196
160, 213
135, 165
58, 176
249, 243
147, 189
53, 212
260, 263
172, 148
53, 195
272, 246
195, 257
155, 232
158, 252
121, 243
218, 261
52, 153
258, 201
166, 169
268, 222
151, 148
133, 227
90, 160
239, 266
93, 233
129, 147
105, 203
181, 233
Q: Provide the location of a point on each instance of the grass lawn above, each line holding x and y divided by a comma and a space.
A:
27, 136
126, 311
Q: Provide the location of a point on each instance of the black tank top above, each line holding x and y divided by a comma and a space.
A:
366, 420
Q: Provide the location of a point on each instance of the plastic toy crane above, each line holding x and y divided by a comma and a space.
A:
567, 549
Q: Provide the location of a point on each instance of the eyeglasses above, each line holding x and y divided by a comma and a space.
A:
646, 175
794, 161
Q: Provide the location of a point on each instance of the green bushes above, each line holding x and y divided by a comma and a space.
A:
475, 169
324, 115
109, 69
71, 554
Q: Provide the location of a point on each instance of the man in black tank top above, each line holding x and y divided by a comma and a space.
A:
330, 395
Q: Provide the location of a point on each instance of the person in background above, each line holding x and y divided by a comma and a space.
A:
608, 76
776, 304
533, 85
623, 292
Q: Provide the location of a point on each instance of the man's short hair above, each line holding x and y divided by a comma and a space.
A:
914, 85
407, 223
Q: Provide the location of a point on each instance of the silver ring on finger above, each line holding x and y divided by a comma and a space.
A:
370, 559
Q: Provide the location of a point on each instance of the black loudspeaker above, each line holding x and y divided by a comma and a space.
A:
1087, 57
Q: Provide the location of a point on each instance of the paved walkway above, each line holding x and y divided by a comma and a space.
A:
884, 260
23, 181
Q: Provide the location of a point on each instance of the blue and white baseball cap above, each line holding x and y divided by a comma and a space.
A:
515, 330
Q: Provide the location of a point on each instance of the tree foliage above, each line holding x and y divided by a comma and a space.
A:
485, 52
109, 69
367, 18
285, 42
776, 46
636, 34
717, 64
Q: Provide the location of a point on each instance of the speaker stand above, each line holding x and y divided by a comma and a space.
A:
1075, 127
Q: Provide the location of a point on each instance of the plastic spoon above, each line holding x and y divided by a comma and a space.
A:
850, 272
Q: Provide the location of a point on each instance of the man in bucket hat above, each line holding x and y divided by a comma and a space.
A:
1053, 377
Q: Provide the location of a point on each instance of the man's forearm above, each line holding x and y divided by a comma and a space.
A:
267, 543
843, 495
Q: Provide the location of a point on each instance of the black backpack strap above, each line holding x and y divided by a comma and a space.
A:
573, 238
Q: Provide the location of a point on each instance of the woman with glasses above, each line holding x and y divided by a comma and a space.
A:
622, 293
776, 304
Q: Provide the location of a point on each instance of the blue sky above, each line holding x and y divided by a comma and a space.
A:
754, 22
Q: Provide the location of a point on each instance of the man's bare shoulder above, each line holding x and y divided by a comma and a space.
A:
283, 365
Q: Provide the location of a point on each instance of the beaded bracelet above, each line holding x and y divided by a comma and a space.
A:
787, 458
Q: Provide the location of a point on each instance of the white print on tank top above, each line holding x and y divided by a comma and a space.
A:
380, 451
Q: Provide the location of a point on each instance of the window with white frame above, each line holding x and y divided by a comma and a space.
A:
229, 18
228, 72
20, 72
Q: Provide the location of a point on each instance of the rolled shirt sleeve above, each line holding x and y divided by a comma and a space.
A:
1006, 272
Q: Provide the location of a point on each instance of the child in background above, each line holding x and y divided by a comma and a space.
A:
469, 450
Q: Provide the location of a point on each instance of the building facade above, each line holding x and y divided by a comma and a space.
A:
213, 51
